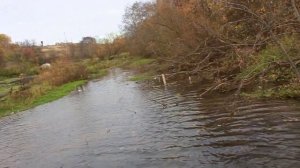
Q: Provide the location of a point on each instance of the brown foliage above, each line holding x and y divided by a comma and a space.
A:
62, 71
4, 40
111, 46
199, 35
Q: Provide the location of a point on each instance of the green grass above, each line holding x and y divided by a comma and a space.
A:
99, 74
270, 55
138, 62
8, 80
141, 77
3, 78
11, 105
57, 93
3, 89
5, 84
99, 68
290, 91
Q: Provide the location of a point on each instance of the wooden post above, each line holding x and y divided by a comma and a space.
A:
164, 79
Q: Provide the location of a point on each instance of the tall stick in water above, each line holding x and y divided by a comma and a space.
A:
164, 79
190, 80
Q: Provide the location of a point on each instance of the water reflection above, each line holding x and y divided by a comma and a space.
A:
117, 123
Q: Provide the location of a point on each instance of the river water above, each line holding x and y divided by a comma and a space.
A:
118, 123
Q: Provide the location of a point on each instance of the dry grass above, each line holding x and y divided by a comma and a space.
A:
61, 72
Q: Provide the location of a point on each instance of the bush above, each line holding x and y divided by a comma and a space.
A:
9, 72
272, 60
63, 71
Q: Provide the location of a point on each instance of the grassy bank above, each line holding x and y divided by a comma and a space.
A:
290, 91
143, 67
97, 68
141, 77
53, 85
49, 94
58, 92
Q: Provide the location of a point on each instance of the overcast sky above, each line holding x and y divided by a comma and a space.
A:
60, 20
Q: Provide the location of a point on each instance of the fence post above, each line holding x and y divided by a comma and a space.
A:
164, 79
190, 79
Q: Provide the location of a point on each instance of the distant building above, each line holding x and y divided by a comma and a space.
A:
88, 40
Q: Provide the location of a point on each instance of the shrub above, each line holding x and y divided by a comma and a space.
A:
273, 61
63, 71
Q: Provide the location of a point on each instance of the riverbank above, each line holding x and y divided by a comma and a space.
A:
144, 69
32, 95
290, 91
11, 105
277, 90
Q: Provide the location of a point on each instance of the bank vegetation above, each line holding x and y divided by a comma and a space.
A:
247, 47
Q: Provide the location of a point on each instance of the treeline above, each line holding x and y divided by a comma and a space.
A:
90, 47
235, 44
27, 57
17, 58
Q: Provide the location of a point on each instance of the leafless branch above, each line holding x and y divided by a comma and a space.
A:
296, 12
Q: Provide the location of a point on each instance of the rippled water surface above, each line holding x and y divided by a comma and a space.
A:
118, 123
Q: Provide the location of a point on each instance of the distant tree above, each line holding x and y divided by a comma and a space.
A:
4, 47
139, 29
2, 61
135, 15
4, 40
112, 44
